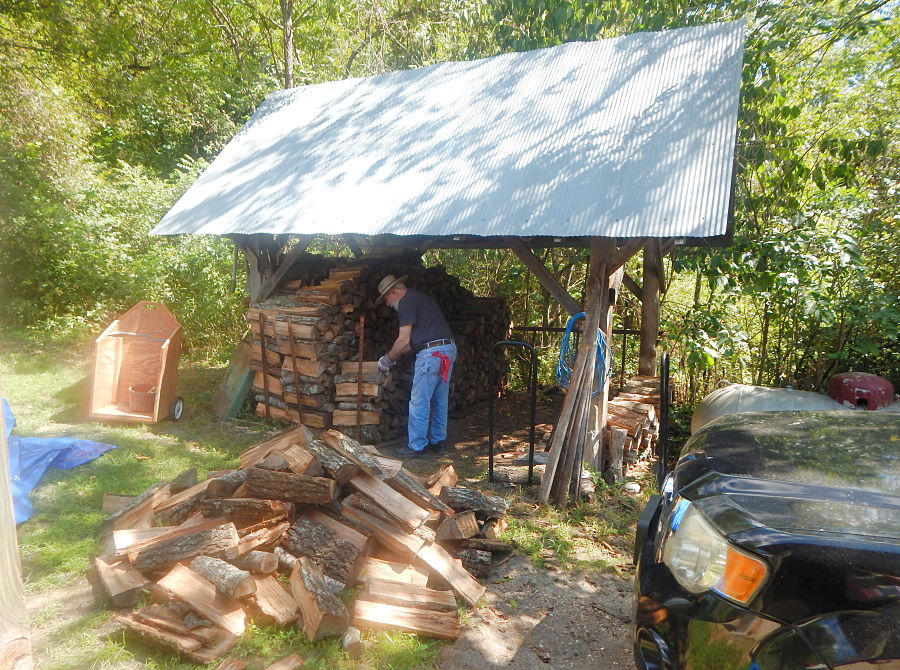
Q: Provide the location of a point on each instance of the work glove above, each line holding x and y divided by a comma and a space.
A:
385, 364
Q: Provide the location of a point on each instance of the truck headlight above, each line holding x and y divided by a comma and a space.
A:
701, 559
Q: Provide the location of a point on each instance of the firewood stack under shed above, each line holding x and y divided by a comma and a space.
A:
306, 347
321, 514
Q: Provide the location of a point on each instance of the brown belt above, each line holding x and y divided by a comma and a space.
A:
438, 343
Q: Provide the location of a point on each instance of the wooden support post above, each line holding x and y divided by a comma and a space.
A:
613, 285
286, 264
650, 308
548, 281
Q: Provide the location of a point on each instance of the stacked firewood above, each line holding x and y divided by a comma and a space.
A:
633, 424
308, 337
328, 516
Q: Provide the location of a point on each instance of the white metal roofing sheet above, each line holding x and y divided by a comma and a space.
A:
626, 137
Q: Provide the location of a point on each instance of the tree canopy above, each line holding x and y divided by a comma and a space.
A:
108, 111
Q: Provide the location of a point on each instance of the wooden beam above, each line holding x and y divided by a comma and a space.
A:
652, 281
632, 286
286, 264
548, 281
626, 251
613, 285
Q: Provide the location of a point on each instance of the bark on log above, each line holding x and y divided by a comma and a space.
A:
476, 561
291, 487
259, 509
224, 485
185, 547
460, 499
258, 562
229, 580
323, 613
338, 558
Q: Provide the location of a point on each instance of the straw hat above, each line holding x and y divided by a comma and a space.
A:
387, 284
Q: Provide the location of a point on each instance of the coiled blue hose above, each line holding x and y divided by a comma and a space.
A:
568, 353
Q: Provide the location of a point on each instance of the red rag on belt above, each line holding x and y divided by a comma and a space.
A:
445, 365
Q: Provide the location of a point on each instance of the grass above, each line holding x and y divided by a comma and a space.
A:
48, 392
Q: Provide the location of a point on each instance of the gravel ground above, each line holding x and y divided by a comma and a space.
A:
536, 618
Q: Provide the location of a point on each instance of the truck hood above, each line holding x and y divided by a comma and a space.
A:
797, 471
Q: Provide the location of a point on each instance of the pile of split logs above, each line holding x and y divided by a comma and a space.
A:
308, 337
633, 422
325, 515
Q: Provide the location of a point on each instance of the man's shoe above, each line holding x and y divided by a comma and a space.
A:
407, 453
438, 447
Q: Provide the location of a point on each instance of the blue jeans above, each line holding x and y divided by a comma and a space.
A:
428, 398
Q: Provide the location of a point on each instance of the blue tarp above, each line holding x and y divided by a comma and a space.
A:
31, 457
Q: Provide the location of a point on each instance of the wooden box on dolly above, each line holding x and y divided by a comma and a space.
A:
136, 366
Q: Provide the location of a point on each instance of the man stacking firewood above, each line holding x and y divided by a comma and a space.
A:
424, 331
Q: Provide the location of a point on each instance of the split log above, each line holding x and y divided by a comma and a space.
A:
517, 474
616, 455
122, 539
273, 601
273, 461
226, 484
201, 595
492, 529
122, 584
458, 526
338, 558
286, 560
257, 562
139, 512
408, 595
291, 487
406, 573
265, 536
446, 476
184, 480
231, 664
244, 508
302, 461
378, 616
476, 561
168, 550
437, 558
323, 613
229, 580
352, 451
386, 533
201, 651
460, 498
300, 435
400, 508
336, 466
350, 417
404, 482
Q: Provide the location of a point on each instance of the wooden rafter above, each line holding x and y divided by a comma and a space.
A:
548, 281
286, 264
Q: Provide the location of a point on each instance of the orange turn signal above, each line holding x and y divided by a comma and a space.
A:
743, 576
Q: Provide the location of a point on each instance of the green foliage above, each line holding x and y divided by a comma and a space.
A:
108, 113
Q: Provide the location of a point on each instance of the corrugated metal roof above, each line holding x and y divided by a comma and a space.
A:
626, 137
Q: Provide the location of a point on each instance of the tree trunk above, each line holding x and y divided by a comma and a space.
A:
287, 12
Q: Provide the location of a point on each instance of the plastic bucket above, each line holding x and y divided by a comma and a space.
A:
142, 398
